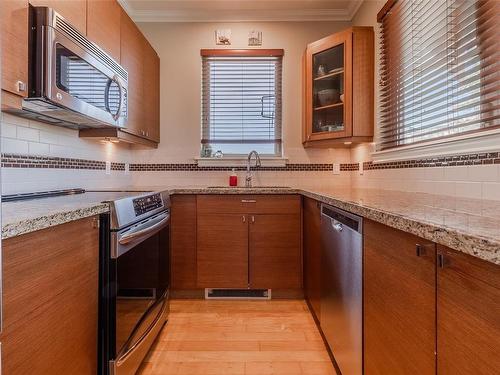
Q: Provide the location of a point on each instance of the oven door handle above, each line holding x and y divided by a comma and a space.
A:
145, 231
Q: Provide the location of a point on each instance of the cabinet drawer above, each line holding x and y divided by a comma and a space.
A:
257, 204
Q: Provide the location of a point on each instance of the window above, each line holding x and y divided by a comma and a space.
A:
241, 102
439, 70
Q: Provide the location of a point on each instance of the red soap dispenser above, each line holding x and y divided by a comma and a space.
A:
233, 179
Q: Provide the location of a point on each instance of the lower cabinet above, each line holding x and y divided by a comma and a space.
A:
249, 242
222, 251
274, 251
468, 315
312, 254
427, 311
399, 302
50, 300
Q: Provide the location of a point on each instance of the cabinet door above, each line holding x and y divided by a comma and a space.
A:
132, 60
14, 42
103, 25
399, 302
222, 251
312, 254
151, 81
183, 234
328, 75
275, 251
50, 292
468, 315
73, 11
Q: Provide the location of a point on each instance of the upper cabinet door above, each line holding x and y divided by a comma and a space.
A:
103, 25
14, 30
73, 11
151, 82
132, 60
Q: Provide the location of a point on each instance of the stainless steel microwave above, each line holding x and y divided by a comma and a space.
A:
72, 81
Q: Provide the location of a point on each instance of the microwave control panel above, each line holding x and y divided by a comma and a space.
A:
148, 203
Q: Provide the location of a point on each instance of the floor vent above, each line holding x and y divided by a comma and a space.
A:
235, 294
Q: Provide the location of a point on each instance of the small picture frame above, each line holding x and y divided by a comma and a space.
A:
223, 37
255, 38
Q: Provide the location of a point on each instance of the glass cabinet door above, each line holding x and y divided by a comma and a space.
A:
328, 90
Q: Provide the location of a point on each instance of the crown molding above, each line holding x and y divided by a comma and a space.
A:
277, 15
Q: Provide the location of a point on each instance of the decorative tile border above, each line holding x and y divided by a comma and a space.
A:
32, 161
445, 161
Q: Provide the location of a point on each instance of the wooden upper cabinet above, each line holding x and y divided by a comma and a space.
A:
399, 302
275, 252
151, 82
132, 60
468, 315
103, 25
312, 254
339, 88
14, 44
73, 11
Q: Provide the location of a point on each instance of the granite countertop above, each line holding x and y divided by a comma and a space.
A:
471, 226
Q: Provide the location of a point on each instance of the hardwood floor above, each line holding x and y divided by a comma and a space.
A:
238, 338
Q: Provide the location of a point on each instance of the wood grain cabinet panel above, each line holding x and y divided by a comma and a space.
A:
14, 44
151, 82
399, 302
468, 315
103, 25
131, 52
50, 292
312, 254
222, 251
274, 251
183, 237
248, 204
73, 11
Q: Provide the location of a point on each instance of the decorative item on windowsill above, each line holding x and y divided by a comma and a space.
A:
218, 154
206, 151
255, 38
223, 37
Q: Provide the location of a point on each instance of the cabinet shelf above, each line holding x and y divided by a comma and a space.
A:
328, 106
329, 75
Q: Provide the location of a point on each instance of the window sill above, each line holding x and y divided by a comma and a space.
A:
485, 141
240, 161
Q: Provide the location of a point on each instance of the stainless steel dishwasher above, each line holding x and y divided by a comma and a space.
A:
342, 287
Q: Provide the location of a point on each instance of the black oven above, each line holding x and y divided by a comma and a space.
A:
135, 274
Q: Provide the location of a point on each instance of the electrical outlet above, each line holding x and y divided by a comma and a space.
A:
336, 168
127, 168
361, 170
108, 167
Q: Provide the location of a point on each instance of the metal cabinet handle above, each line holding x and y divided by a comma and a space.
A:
419, 250
253, 219
244, 219
442, 261
248, 201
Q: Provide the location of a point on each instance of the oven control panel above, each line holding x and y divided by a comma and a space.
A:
148, 203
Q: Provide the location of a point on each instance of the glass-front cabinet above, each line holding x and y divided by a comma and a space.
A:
339, 75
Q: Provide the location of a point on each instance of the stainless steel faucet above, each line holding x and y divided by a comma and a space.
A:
248, 179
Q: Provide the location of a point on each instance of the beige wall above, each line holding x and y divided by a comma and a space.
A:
179, 44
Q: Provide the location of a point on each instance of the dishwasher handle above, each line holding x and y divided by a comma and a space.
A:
341, 219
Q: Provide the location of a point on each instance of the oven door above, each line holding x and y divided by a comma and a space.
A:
76, 79
142, 281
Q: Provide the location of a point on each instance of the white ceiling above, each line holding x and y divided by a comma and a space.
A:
239, 10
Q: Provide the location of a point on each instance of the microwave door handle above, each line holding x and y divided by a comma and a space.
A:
144, 232
107, 92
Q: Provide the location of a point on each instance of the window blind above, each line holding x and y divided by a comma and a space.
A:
241, 103
440, 64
